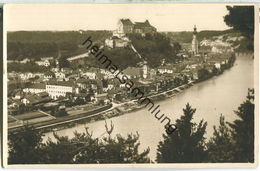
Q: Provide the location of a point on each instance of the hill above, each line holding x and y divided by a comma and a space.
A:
37, 44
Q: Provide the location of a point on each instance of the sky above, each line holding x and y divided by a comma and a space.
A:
165, 17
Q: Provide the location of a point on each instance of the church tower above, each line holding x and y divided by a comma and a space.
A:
194, 43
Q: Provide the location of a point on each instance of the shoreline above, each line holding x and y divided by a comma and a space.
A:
110, 111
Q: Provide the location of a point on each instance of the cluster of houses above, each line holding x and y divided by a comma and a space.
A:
216, 45
44, 61
94, 84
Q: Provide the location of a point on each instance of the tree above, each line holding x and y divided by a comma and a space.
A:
83, 148
60, 113
234, 142
186, 144
63, 62
113, 150
221, 145
62, 150
153, 48
243, 130
24, 147
203, 74
241, 18
27, 148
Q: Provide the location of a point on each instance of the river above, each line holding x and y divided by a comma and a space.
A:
216, 96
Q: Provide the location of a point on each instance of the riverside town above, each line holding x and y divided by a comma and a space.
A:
129, 84
150, 84
64, 91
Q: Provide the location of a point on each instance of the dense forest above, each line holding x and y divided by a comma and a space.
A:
154, 48
37, 44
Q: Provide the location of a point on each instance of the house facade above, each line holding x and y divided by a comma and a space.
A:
35, 88
59, 89
45, 63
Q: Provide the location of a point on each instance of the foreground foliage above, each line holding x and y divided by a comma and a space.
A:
241, 18
231, 142
186, 144
27, 148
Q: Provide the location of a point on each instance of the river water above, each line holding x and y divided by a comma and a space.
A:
211, 98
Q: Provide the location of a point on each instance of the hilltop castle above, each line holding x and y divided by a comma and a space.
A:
124, 27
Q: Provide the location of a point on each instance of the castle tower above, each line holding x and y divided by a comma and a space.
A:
194, 43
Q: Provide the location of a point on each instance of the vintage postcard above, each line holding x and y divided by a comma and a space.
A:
130, 85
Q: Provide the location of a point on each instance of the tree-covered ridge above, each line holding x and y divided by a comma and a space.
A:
37, 44
56, 36
122, 57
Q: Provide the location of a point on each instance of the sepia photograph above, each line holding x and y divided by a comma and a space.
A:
130, 85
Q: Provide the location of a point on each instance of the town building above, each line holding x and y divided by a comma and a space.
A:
132, 72
115, 41
90, 75
59, 89
35, 100
145, 70
48, 75
100, 97
205, 50
26, 76
18, 95
45, 63
14, 103
165, 69
35, 88
221, 49
108, 87
217, 65
60, 75
24, 61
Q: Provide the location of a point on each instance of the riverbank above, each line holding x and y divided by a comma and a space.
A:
103, 113
135, 106
126, 107
63, 122
120, 108
221, 94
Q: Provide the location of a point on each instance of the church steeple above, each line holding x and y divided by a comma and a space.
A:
194, 43
194, 30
